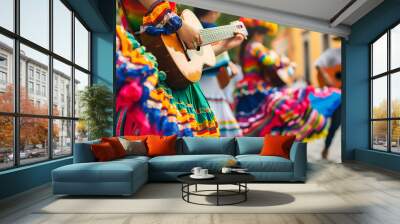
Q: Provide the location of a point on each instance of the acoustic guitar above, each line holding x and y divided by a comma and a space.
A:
334, 76
184, 66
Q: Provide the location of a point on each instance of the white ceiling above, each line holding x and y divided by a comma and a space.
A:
324, 9
324, 16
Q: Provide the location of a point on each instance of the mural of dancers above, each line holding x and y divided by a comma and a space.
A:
211, 84
264, 102
266, 105
329, 72
146, 103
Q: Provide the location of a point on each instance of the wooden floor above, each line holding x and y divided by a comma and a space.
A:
378, 189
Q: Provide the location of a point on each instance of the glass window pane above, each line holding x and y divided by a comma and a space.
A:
33, 139
81, 131
81, 45
395, 47
395, 94
6, 142
62, 29
6, 74
35, 21
379, 56
62, 138
62, 89
395, 135
34, 96
379, 135
81, 82
379, 97
7, 14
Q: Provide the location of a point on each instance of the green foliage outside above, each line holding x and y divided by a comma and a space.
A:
97, 103
379, 128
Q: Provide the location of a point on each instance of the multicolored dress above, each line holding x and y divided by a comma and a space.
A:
145, 104
227, 123
262, 109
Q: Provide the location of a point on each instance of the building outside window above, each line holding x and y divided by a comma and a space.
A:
3, 81
385, 95
37, 74
3, 72
38, 89
44, 77
34, 75
30, 72
3, 60
43, 90
30, 87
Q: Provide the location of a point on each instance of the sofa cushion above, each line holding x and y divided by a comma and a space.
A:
83, 152
185, 163
249, 145
112, 171
131, 158
93, 172
207, 145
257, 163
118, 177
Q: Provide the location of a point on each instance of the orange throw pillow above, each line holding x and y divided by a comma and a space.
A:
116, 145
103, 152
277, 145
136, 137
161, 145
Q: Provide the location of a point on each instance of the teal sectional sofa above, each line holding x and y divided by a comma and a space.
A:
125, 176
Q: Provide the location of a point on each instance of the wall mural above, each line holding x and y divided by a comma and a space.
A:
192, 72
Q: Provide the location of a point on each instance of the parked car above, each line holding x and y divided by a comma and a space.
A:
10, 157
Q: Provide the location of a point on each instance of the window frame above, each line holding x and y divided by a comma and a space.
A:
388, 74
16, 114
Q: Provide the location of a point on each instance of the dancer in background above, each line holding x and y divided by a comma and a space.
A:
329, 71
230, 88
210, 85
264, 106
145, 103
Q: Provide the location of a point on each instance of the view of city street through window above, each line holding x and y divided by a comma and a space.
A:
39, 113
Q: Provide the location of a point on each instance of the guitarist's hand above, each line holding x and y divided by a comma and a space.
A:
189, 35
228, 43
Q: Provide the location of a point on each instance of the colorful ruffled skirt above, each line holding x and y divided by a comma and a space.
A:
145, 104
303, 112
227, 123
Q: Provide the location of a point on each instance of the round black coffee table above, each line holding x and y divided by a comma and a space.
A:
238, 179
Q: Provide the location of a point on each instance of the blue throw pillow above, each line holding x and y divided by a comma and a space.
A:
249, 145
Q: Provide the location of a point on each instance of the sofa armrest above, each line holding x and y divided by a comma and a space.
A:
83, 152
298, 155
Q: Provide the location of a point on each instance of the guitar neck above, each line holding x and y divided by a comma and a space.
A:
214, 34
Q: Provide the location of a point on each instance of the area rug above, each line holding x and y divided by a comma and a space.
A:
166, 198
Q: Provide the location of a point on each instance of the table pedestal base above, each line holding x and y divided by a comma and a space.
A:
220, 193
